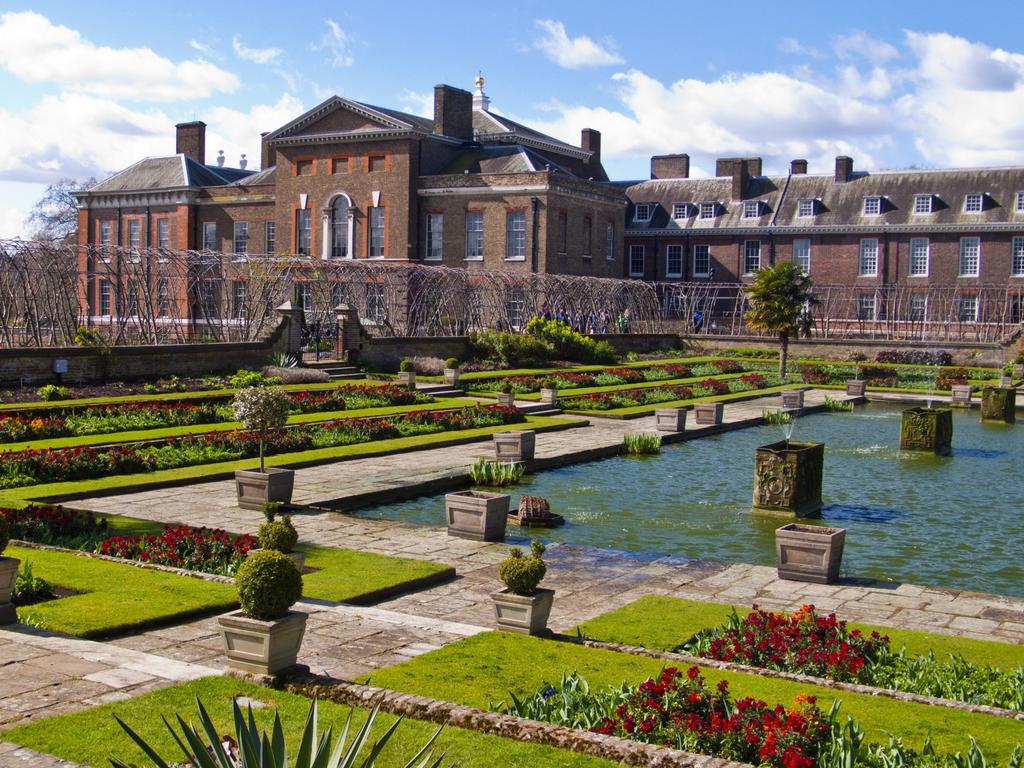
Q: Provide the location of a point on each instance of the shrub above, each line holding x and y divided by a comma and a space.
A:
279, 535
641, 443
268, 585
915, 357
452, 363
522, 573
496, 473
506, 387
569, 344
243, 379
30, 589
261, 409
510, 350
605, 353
52, 392
295, 375
406, 366
832, 404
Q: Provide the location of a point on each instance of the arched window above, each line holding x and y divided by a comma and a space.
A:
340, 228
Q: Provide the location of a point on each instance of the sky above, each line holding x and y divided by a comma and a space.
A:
86, 89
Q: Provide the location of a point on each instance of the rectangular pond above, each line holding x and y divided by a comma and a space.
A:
954, 521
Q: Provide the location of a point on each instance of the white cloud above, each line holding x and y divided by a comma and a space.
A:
337, 44
859, 44
572, 52
203, 48
795, 47
35, 50
954, 62
878, 84
418, 102
255, 55
12, 222
236, 131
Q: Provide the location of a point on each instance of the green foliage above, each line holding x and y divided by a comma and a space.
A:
522, 573
569, 344
29, 588
261, 409
268, 584
243, 379
641, 443
510, 350
406, 366
5, 533
569, 702
254, 749
605, 354
832, 404
51, 392
452, 363
776, 416
495, 473
279, 535
91, 337
270, 510
780, 303
506, 387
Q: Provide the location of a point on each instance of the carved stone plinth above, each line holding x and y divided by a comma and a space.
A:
787, 478
926, 429
999, 404
856, 387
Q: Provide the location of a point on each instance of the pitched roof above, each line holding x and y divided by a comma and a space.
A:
490, 127
508, 158
174, 172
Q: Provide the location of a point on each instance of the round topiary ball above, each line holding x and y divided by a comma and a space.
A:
5, 533
522, 573
268, 585
279, 535
451, 363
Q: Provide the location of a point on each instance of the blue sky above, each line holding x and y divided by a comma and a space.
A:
88, 88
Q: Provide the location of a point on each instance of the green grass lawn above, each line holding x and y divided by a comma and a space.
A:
91, 736
347, 575
566, 393
677, 620
486, 667
635, 411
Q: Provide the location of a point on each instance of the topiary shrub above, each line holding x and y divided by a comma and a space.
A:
51, 392
5, 534
522, 573
452, 363
268, 585
406, 366
243, 379
279, 535
506, 387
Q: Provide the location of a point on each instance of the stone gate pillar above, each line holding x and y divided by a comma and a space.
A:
349, 339
295, 317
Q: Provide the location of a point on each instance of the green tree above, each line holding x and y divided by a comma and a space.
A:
780, 302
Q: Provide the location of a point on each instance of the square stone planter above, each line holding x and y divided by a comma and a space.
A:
708, 413
299, 558
407, 379
1018, 371
999, 404
524, 614
793, 399
8, 575
549, 396
787, 478
515, 446
256, 488
258, 647
476, 515
856, 387
451, 377
960, 394
809, 552
926, 429
670, 419
507, 399
1005, 381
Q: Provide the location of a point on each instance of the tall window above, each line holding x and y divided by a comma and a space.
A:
515, 236
872, 205
563, 232
238, 299
805, 206
435, 236
209, 236
919, 249
375, 309
163, 233
132, 299
917, 307
636, 261
588, 226
970, 256
701, 260
163, 298
474, 235
974, 202
133, 234
1017, 267
967, 308
303, 223
751, 209
106, 238
105, 297
674, 261
868, 257
304, 296
866, 306
802, 255
269, 236
375, 243
241, 237
339, 228
642, 212
207, 290
708, 210
515, 308
609, 241
923, 203
751, 256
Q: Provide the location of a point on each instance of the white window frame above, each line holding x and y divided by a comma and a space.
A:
304, 231
806, 207
163, 233
918, 242
669, 250
974, 202
646, 208
434, 238
680, 211
962, 301
911, 299
964, 257
105, 297
1017, 257
474, 236
1018, 206
924, 204
873, 202
865, 300
376, 231
805, 262
240, 238
209, 235
163, 298
269, 236
752, 209
705, 254
133, 234
641, 252
238, 299
106, 239
864, 256
708, 210
609, 234
515, 238
747, 248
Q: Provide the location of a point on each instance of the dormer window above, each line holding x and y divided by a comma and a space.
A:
923, 203
642, 212
806, 206
872, 205
708, 210
974, 202
1018, 206
751, 209
680, 210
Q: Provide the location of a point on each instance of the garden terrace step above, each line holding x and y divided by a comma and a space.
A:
336, 370
440, 390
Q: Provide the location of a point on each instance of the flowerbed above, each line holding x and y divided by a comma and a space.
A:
925, 378
180, 546
30, 467
616, 376
626, 398
56, 526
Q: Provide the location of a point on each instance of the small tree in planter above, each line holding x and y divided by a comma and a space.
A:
549, 391
263, 638
279, 535
407, 374
523, 606
8, 575
451, 371
262, 410
506, 394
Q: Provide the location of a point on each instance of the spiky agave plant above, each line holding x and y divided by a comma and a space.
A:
255, 749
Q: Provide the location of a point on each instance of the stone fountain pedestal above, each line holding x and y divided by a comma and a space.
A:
926, 429
787, 478
999, 404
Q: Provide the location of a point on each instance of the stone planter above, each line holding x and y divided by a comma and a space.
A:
960, 394
1005, 381
926, 429
787, 478
299, 558
258, 647
8, 575
670, 419
515, 446
1018, 371
999, 404
809, 552
256, 488
451, 377
856, 387
476, 515
549, 396
708, 413
524, 614
407, 379
793, 400
507, 399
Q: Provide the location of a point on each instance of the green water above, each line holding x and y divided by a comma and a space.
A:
955, 521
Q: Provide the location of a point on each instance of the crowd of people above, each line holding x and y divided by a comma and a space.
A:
590, 322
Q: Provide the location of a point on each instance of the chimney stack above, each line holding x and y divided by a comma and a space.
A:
191, 140
844, 169
590, 141
753, 165
738, 169
670, 166
798, 168
453, 112
268, 155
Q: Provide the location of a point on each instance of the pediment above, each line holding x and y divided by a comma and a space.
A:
339, 116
